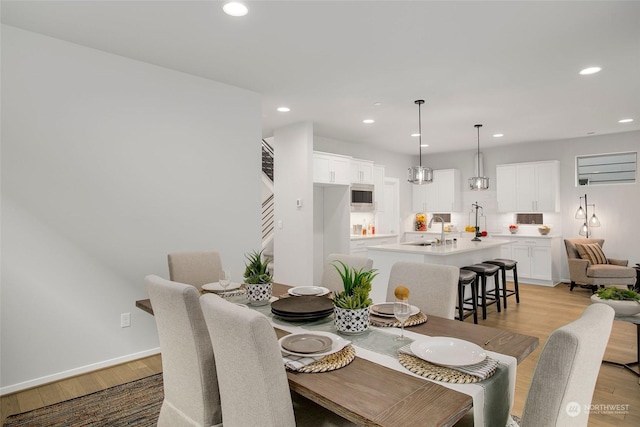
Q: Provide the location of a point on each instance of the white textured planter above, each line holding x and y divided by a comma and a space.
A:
350, 321
622, 308
259, 293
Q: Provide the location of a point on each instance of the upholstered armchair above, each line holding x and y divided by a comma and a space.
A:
589, 266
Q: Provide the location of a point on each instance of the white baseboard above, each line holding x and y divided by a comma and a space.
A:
77, 371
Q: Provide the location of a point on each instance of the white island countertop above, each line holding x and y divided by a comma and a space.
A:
463, 253
461, 246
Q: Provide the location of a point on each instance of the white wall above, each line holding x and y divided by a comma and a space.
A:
293, 180
108, 164
617, 206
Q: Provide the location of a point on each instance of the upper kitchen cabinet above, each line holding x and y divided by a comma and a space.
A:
331, 168
528, 187
442, 195
361, 171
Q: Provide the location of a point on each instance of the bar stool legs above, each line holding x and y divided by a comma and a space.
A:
467, 277
504, 265
483, 271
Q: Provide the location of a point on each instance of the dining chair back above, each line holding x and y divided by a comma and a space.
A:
195, 268
191, 396
330, 276
565, 376
433, 288
253, 383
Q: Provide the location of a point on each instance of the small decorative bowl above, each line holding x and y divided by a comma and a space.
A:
513, 230
544, 231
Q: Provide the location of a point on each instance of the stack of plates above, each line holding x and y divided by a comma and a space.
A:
216, 287
308, 290
312, 344
385, 309
302, 308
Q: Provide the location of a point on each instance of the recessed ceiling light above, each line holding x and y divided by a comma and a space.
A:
284, 109
235, 8
368, 121
625, 121
498, 135
415, 134
590, 70
424, 145
377, 104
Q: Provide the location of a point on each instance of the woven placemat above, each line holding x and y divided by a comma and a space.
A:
436, 372
331, 362
416, 319
231, 293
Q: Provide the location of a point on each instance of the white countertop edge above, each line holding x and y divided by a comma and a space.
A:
371, 236
462, 246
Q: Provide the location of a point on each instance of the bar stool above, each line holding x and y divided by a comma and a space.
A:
507, 264
483, 271
467, 277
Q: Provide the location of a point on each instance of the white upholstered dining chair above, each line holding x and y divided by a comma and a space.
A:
432, 288
565, 376
330, 276
195, 268
191, 396
253, 383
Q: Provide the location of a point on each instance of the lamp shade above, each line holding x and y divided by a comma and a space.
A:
478, 183
420, 175
580, 213
594, 221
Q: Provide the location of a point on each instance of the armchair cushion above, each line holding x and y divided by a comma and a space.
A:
591, 252
609, 271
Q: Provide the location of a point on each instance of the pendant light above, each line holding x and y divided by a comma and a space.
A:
478, 182
419, 174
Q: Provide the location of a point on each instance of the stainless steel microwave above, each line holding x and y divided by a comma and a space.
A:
362, 197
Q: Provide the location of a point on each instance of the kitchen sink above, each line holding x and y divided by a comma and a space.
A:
419, 243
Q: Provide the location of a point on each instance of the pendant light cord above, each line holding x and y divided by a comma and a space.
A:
478, 127
420, 102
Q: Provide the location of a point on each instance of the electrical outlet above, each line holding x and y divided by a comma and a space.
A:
125, 320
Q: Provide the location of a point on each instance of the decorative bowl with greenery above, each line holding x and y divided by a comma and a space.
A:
618, 294
624, 302
357, 286
257, 278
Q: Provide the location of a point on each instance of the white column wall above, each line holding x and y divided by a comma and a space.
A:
293, 180
108, 164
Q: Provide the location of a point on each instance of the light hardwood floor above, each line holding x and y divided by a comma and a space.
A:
541, 310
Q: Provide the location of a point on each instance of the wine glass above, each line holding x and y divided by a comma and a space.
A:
224, 280
402, 312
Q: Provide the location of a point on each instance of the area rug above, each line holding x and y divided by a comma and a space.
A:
133, 404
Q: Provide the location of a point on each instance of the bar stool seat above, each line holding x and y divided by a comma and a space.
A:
467, 277
483, 271
507, 264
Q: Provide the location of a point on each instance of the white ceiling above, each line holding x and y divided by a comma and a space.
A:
512, 66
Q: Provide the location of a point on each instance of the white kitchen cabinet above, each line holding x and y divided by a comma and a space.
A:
359, 246
535, 257
442, 195
528, 187
331, 168
361, 171
378, 187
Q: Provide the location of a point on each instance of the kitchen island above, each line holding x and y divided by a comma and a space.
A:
461, 253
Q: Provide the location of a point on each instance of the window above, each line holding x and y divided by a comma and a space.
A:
616, 168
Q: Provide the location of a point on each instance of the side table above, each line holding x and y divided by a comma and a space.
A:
636, 320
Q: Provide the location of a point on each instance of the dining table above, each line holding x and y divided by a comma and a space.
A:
374, 394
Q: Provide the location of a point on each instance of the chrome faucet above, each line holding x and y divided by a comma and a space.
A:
442, 232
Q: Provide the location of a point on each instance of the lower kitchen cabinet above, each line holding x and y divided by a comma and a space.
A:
359, 246
537, 258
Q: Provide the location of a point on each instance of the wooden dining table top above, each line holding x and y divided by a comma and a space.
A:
370, 394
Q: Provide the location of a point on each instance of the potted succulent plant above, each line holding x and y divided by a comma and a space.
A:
352, 304
257, 278
625, 302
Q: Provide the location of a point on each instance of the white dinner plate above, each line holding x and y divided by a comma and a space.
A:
337, 344
308, 290
215, 287
385, 309
448, 351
